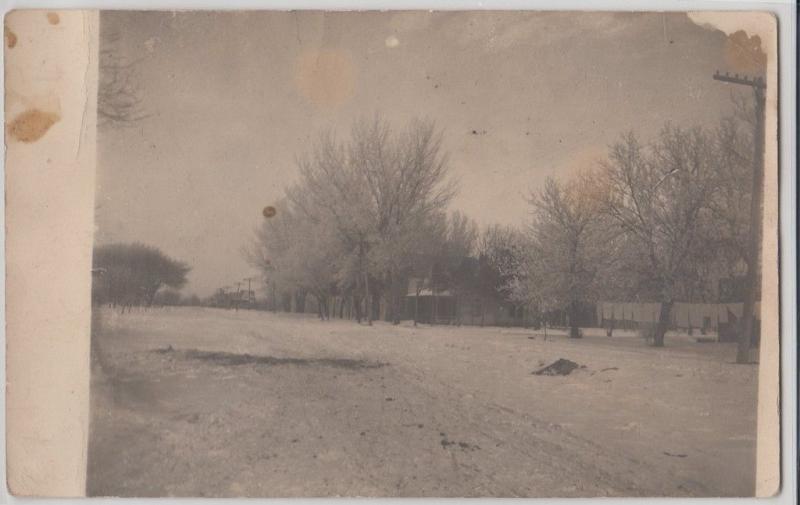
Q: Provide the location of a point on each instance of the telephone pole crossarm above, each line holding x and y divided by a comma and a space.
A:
755, 82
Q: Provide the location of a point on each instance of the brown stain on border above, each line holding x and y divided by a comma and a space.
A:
31, 125
325, 76
53, 18
745, 54
11, 37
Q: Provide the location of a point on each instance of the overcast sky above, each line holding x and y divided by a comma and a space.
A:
233, 97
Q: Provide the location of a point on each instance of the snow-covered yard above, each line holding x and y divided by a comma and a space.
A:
195, 401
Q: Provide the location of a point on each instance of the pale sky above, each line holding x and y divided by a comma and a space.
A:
234, 97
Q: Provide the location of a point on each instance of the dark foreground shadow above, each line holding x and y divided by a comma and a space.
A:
233, 359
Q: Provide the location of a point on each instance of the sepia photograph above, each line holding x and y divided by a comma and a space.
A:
429, 254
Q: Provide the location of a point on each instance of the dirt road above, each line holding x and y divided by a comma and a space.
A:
205, 402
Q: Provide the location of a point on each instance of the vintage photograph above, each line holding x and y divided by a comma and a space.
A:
427, 254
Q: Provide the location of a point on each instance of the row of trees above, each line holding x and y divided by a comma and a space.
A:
656, 221
368, 214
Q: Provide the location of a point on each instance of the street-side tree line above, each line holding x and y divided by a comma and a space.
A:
368, 213
656, 221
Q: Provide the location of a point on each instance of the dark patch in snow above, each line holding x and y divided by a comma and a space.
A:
559, 367
464, 446
233, 359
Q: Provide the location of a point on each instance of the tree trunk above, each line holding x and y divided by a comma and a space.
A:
367, 299
390, 305
396, 318
572, 315
357, 308
434, 305
416, 308
574, 330
395, 295
663, 324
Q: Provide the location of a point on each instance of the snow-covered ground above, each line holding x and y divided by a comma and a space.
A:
211, 402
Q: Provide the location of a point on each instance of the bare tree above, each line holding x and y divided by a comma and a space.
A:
333, 192
119, 95
406, 178
565, 253
659, 198
730, 203
377, 192
296, 253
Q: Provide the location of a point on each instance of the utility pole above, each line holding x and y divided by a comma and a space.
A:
753, 279
269, 279
225, 297
237, 296
250, 295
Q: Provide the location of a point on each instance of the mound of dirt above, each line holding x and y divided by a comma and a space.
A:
559, 367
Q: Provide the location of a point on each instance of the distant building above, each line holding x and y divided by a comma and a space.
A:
243, 298
425, 304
